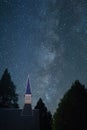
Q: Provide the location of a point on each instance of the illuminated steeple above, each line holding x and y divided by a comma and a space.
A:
27, 110
28, 90
28, 93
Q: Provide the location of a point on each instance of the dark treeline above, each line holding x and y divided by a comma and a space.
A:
70, 114
44, 116
8, 95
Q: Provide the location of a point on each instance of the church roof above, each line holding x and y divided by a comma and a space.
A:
28, 90
14, 119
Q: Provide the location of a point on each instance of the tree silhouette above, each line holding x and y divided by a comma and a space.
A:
44, 116
8, 96
72, 111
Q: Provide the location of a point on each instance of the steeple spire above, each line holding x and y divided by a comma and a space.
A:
28, 90
28, 93
27, 110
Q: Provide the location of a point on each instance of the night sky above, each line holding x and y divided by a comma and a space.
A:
46, 39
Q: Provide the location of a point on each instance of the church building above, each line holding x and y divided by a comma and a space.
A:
20, 119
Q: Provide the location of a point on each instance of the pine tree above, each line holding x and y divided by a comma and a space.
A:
8, 96
71, 113
44, 116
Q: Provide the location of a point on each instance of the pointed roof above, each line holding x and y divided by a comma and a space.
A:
28, 90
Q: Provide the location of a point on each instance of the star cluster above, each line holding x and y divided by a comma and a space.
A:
46, 39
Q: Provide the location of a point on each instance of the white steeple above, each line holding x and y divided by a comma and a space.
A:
28, 93
27, 110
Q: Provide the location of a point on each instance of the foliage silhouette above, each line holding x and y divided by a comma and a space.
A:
8, 96
71, 113
44, 116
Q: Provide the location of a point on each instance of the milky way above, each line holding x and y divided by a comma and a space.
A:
46, 39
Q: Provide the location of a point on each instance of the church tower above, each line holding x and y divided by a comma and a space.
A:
27, 110
28, 93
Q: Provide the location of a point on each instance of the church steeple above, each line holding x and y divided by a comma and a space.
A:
28, 90
27, 110
28, 93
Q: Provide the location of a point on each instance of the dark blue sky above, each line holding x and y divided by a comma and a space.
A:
46, 39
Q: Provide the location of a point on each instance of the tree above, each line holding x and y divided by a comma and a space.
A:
44, 116
72, 111
8, 96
